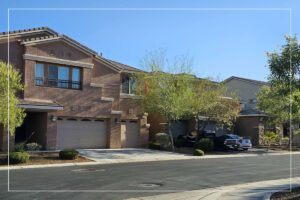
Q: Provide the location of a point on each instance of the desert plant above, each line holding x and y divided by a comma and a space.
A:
163, 139
205, 144
198, 152
33, 146
18, 157
68, 154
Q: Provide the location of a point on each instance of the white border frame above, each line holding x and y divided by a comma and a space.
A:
289, 10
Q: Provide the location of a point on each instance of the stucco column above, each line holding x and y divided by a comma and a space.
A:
261, 132
51, 135
144, 130
114, 131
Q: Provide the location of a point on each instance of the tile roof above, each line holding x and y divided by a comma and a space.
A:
121, 66
58, 36
251, 111
30, 30
53, 35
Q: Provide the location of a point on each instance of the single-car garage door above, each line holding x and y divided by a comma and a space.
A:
130, 134
81, 134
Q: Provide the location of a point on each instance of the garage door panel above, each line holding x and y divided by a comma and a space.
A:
130, 134
81, 134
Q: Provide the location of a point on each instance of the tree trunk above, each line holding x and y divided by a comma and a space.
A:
170, 135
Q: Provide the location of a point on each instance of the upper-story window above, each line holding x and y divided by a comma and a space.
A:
39, 74
52, 75
128, 85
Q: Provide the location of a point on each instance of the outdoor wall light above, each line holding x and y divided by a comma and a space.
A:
53, 118
117, 121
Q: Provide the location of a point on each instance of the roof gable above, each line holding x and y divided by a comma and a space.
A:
250, 81
55, 38
41, 35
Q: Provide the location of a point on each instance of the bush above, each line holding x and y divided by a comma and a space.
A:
19, 147
270, 138
198, 152
68, 154
163, 139
154, 145
18, 157
205, 144
285, 140
33, 146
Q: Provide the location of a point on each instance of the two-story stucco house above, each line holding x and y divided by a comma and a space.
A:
73, 97
250, 120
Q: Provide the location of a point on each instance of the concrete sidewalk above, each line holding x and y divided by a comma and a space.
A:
250, 191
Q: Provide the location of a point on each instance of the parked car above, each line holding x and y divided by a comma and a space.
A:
208, 134
186, 140
232, 141
245, 144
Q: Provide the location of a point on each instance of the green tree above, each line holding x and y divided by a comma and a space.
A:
214, 103
10, 114
167, 94
175, 93
281, 99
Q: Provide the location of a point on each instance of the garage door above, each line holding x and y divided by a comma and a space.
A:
130, 134
81, 134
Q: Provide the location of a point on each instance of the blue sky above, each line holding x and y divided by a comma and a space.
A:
221, 43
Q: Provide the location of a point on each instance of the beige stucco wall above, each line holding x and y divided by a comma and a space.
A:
246, 91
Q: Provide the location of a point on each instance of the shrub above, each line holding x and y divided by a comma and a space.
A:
33, 146
270, 138
198, 152
18, 157
285, 140
205, 144
154, 145
68, 154
19, 147
163, 139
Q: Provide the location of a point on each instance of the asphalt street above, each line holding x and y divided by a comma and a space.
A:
121, 181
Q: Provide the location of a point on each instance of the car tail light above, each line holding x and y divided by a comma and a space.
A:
225, 142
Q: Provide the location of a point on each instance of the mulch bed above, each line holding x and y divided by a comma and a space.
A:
287, 194
43, 158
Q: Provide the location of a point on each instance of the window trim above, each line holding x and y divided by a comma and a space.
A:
129, 86
70, 72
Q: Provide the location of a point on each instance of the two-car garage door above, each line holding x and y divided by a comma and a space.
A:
81, 134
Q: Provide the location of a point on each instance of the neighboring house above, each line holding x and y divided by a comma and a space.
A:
183, 126
73, 97
250, 121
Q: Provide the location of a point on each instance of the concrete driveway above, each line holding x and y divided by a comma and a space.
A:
107, 156
130, 155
